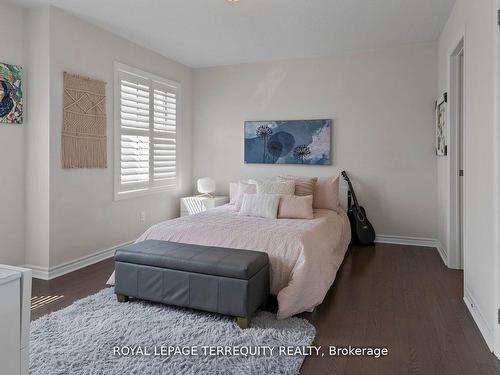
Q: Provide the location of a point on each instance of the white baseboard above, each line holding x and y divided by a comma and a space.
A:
414, 241
478, 317
41, 273
404, 240
62, 269
443, 252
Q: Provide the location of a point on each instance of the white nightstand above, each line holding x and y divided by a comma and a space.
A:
197, 204
15, 311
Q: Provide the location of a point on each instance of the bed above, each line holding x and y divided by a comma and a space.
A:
304, 255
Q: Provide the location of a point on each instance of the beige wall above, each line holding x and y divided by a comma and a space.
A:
12, 150
476, 20
381, 103
84, 218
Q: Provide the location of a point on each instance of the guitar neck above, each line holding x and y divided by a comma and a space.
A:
353, 194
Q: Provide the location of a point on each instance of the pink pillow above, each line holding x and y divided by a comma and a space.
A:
295, 207
244, 188
326, 193
303, 185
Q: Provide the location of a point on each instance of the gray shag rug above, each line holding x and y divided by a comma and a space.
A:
80, 338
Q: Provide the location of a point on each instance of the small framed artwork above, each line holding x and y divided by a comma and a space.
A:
288, 142
441, 126
11, 94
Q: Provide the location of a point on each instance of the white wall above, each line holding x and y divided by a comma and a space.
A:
12, 149
475, 19
381, 103
37, 137
84, 218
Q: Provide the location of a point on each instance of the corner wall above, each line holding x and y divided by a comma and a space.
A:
382, 106
476, 20
37, 137
12, 149
84, 218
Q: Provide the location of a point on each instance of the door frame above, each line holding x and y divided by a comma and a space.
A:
457, 237
496, 174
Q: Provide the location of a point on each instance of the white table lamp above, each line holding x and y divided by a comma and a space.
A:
206, 186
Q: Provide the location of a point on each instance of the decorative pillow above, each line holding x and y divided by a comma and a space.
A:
233, 192
326, 193
244, 188
303, 185
260, 205
296, 207
234, 188
263, 179
276, 187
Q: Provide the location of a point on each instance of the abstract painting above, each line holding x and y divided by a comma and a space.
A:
288, 142
11, 94
441, 128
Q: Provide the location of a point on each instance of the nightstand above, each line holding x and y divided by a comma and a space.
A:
15, 310
197, 204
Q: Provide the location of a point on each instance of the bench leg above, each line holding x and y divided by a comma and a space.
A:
121, 298
243, 322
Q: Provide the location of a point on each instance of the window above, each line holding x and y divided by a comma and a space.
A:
146, 124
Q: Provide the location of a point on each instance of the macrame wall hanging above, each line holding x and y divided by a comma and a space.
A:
84, 125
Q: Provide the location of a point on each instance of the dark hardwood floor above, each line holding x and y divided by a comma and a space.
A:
399, 297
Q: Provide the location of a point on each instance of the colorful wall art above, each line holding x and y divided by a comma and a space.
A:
441, 126
288, 142
11, 94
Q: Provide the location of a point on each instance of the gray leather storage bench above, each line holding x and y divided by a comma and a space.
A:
227, 281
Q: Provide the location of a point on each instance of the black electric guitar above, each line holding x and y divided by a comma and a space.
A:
361, 227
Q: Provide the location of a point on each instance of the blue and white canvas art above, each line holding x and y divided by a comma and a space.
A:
288, 142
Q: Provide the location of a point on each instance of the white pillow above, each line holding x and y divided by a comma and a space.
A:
244, 188
276, 187
260, 205
233, 192
234, 188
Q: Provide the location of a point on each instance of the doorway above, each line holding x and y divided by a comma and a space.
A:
457, 152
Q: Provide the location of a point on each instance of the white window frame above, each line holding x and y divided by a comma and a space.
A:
150, 189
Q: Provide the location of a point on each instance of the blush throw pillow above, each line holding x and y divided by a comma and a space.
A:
303, 185
276, 187
295, 207
244, 188
326, 193
260, 205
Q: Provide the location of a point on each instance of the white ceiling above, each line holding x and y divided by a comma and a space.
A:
202, 33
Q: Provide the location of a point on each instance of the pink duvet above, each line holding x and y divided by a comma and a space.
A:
304, 254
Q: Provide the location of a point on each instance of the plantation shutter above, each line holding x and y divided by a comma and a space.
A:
148, 133
164, 135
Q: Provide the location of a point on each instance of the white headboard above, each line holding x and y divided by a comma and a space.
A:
233, 190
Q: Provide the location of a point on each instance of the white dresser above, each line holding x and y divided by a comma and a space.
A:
197, 204
15, 314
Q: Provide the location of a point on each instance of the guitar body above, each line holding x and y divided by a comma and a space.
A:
364, 230
361, 229
352, 221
